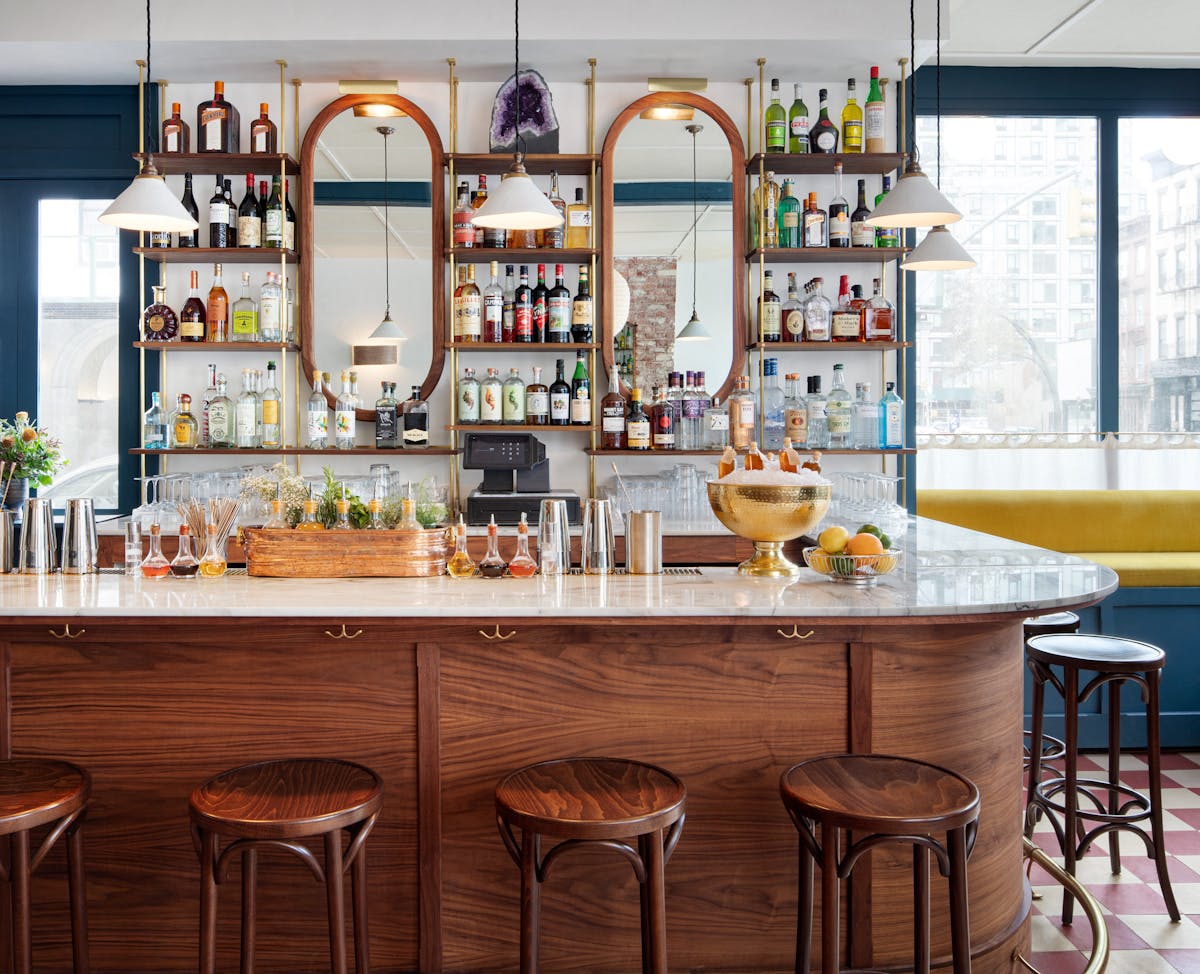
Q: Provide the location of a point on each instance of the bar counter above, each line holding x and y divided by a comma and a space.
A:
443, 686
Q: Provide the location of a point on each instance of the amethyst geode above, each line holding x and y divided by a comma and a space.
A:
539, 124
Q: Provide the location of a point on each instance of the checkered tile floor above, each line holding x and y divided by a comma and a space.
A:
1142, 938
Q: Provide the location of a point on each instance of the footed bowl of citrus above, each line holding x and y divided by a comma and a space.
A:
854, 559
769, 508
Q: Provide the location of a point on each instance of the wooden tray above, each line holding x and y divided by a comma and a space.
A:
277, 553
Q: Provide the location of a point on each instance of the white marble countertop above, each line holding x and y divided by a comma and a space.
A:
946, 570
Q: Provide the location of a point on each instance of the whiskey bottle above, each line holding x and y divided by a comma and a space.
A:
493, 307
814, 224
582, 310
852, 121
272, 429
637, 423
176, 136
581, 393
862, 234
662, 419
839, 212
775, 120
523, 309
262, 133
512, 409
818, 312
823, 136
788, 217
218, 124
579, 222
463, 234
769, 310
792, 314
797, 123
344, 417
192, 316
318, 415
879, 317
845, 325
416, 421
185, 431
874, 128
189, 203
538, 303
385, 417
558, 309
478, 198
217, 317
795, 414
491, 396
159, 322
537, 401
218, 217
612, 415
245, 314
468, 310
273, 229
249, 224
560, 396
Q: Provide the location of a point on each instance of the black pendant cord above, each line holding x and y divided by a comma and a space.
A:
387, 232
695, 227
518, 152
151, 144
938, 81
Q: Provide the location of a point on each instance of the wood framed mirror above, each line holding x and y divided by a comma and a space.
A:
655, 175
342, 273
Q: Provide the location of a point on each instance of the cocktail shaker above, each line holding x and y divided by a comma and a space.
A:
554, 538
38, 550
6, 541
80, 554
599, 550
643, 543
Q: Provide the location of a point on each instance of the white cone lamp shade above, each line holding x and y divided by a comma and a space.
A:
388, 331
914, 202
693, 331
517, 204
147, 204
939, 251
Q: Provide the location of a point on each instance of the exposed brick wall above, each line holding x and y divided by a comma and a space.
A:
652, 309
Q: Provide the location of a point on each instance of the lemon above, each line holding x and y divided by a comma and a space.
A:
833, 539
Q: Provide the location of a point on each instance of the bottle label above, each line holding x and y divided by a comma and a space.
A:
245, 322
539, 318
880, 325
770, 319
845, 325
664, 437
637, 433
218, 424
862, 234
814, 230
247, 420
489, 403
468, 316
826, 140
514, 405
274, 227
894, 425
289, 235
385, 425
415, 435
191, 328
210, 121
558, 324
560, 405
581, 313
579, 216
718, 421
852, 133
791, 220
839, 422
693, 407
172, 141
270, 412
259, 143
249, 231
839, 227
794, 323
269, 317
464, 229
183, 433
155, 323
537, 403
218, 213
795, 425
799, 126
318, 424
468, 402
874, 123
613, 420
581, 410
816, 413
493, 313
343, 421
523, 322
776, 133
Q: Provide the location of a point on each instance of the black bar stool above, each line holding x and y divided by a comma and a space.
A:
1047, 625
892, 800
593, 801
1117, 808
273, 805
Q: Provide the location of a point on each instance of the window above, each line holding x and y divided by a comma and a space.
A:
1181, 268
1012, 232
1166, 341
1035, 148
1082, 292
1139, 260
1045, 233
1045, 263
1180, 337
1000, 150
1139, 359
1164, 214
1045, 206
1163, 281
1012, 263
1046, 292
1071, 149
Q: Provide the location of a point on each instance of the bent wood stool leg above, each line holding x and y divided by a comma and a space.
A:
830, 906
920, 909
1114, 771
208, 902
336, 901
19, 880
358, 899
960, 930
249, 907
530, 902
1071, 794
1153, 747
78, 895
644, 903
804, 905
656, 937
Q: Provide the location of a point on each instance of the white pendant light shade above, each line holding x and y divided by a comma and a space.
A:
693, 331
939, 251
517, 204
147, 204
388, 331
914, 202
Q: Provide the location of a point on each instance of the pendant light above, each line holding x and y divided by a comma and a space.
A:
517, 204
914, 201
694, 330
388, 330
148, 204
939, 251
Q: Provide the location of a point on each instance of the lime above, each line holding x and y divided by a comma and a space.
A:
870, 529
886, 541
833, 539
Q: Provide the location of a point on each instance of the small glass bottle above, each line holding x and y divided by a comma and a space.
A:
309, 522
277, 520
818, 315
184, 564
213, 564
344, 417
318, 415
246, 413
343, 515
838, 412
154, 425
184, 428
375, 509
460, 564
271, 429
408, 516
245, 314
513, 407
716, 426
492, 565
522, 565
415, 417
818, 425
891, 420
221, 412
159, 321
155, 564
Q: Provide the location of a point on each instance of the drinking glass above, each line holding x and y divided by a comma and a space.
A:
133, 547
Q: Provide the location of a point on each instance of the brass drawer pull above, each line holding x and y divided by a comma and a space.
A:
497, 634
795, 633
343, 634
66, 633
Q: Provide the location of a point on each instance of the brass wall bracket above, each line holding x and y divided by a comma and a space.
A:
795, 633
343, 634
497, 634
66, 633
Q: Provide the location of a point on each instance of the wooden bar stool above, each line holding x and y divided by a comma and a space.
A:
36, 792
273, 805
1117, 808
1046, 625
891, 800
594, 801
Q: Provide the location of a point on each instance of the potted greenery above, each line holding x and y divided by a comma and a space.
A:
26, 454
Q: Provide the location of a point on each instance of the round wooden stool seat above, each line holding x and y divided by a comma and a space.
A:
1110, 654
591, 798
287, 799
36, 791
879, 793
1052, 622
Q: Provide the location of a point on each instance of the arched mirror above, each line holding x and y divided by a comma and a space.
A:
345, 278
673, 220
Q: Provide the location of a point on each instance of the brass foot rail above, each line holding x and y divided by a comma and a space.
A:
1098, 961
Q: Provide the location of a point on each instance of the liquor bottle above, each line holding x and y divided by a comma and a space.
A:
788, 217
774, 421
189, 203
217, 316
776, 121
692, 405
815, 224
522, 564
245, 314
716, 426
818, 425
839, 212
478, 198
386, 434
210, 393
560, 396
742, 422
262, 133
862, 234
344, 418
581, 393
852, 121
155, 564
818, 312
765, 231
558, 309
792, 314
886, 236
674, 394
891, 420
218, 123
273, 223
493, 307
270, 310
663, 422
289, 219
309, 522
460, 564
523, 309
537, 401
538, 304
846, 324
510, 296
263, 196
491, 565
769, 310
318, 415
879, 317
154, 425
463, 228
637, 423
272, 429
221, 434
866, 421
468, 310
875, 129
159, 321
192, 315
416, 421
160, 238
212, 562
183, 428
245, 415
512, 408
823, 136
612, 414
838, 414
579, 222
797, 123
230, 208
795, 412
555, 237
582, 309
218, 217
176, 136
249, 226
493, 236
491, 396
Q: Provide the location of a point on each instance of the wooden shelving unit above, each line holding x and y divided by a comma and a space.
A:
803, 451
825, 255
179, 346
522, 255
821, 163
829, 346
523, 346
234, 163
302, 451
536, 163
217, 255
514, 428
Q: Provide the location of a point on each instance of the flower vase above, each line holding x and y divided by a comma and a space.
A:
18, 493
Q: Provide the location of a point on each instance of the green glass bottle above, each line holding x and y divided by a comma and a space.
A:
776, 121
788, 221
797, 123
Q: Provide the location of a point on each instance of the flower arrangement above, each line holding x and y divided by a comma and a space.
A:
28, 453
281, 483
